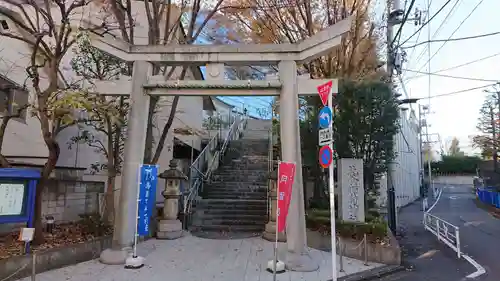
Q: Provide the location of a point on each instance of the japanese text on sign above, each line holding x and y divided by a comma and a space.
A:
325, 136
147, 190
286, 172
11, 199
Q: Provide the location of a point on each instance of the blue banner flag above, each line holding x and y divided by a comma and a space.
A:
148, 175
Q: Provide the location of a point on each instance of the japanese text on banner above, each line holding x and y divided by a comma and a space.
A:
286, 176
147, 191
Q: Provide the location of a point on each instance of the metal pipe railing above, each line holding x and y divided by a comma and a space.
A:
441, 229
201, 168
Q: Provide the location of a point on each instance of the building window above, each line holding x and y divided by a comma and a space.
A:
13, 102
4, 25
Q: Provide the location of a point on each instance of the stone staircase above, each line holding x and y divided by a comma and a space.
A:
234, 202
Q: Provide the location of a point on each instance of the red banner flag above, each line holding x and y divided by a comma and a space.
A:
286, 176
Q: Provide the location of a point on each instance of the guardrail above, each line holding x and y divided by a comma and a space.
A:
444, 231
488, 196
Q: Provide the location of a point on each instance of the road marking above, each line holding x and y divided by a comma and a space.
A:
453, 197
437, 200
479, 269
473, 223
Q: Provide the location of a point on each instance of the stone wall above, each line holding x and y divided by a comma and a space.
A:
66, 200
454, 180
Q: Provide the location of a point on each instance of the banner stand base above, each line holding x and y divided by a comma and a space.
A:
134, 262
280, 267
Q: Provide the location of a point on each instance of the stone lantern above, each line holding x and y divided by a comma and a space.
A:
169, 226
270, 231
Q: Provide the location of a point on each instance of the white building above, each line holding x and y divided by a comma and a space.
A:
23, 143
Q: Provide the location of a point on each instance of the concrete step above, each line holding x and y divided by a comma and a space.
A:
244, 166
236, 177
224, 170
229, 228
236, 195
239, 216
221, 213
233, 185
231, 204
231, 222
224, 189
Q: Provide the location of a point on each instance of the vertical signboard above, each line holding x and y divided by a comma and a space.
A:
148, 178
286, 174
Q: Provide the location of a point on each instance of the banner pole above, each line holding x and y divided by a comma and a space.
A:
277, 222
331, 186
136, 262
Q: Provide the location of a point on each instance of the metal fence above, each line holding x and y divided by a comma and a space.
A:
488, 196
444, 231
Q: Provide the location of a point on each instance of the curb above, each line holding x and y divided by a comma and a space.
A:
372, 273
495, 212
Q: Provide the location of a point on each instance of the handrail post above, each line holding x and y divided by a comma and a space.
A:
457, 237
437, 230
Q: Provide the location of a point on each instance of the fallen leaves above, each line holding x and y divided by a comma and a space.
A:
62, 235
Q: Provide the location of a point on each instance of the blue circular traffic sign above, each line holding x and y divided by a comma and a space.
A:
325, 117
325, 156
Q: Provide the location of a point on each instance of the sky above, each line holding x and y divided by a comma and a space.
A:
454, 115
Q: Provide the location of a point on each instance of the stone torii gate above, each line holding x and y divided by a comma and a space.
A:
289, 86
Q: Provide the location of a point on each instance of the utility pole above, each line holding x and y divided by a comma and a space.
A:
421, 162
395, 59
424, 122
494, 135
394, 17
429, 95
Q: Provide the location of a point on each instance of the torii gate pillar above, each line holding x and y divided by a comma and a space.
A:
286, 56
291, 152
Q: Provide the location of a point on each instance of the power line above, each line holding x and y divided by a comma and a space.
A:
453, 39
468, 63
446, 18
413, 50
425, 23
458, 92
451, 76
457, 66
453, 33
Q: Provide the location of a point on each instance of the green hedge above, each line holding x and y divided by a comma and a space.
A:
456, 165
320, 220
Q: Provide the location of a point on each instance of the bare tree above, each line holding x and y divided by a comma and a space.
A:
47, 27
171, 21
106, 121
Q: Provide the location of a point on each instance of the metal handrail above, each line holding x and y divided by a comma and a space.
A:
196, 175
201, 168
446, 232
269, 170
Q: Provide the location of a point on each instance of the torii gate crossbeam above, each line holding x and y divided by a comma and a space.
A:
288, 87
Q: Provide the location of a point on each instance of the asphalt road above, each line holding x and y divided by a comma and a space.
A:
479, 230
424, 257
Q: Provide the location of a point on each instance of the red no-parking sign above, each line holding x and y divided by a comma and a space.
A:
325, 156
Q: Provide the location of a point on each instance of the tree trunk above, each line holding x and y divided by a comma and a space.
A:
54, 151
148, 149
45, 174
39, 239
109, 200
